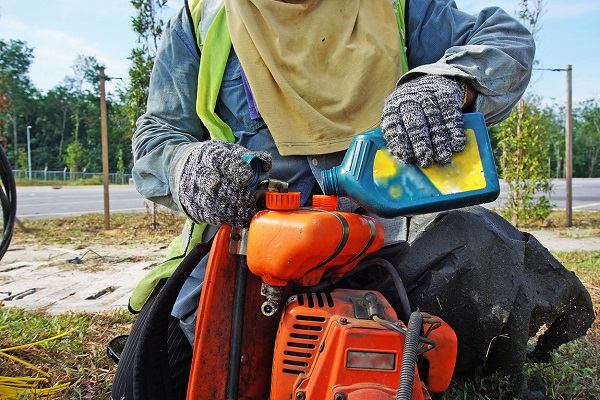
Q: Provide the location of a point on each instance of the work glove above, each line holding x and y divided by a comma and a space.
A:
422, 120
214, 183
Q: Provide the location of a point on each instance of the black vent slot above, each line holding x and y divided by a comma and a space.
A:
292, 371
311, 302
310, 318
322, 300
296, 363
308, 327
329, 299
305, 337
302, 345
296, 354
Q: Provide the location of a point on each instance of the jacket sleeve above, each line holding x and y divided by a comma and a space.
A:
170, 127
491, 50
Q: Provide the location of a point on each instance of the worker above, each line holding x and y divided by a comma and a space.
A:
293, 83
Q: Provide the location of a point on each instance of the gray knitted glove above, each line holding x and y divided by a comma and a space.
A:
214, 184
422, 120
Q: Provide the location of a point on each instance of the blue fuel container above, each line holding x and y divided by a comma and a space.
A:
371, 176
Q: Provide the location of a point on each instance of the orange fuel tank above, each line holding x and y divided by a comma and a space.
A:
304, 244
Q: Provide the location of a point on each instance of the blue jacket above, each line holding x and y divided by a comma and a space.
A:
491, 50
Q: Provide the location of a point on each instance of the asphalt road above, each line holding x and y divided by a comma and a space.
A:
48, 202
55, 202
585, 194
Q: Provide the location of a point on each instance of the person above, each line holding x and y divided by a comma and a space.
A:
292, 83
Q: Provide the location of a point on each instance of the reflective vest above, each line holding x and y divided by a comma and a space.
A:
214, 43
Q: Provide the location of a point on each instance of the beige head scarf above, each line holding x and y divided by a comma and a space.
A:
319, 69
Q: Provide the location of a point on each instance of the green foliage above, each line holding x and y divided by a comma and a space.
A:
148, 26
120, 165
586, 139
22, 161
523, 141
137, 92
79, 358
530, 12
16, 88
555, 124
74, 155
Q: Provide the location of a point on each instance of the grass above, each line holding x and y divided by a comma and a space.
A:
126, 229
96, 180
584, 224
80, 357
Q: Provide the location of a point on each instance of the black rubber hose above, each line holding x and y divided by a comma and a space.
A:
404, 303
409, 357
8, 199
393, 327
235, 351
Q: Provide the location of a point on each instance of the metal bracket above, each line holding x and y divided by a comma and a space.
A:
238, 241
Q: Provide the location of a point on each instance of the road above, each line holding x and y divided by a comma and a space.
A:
48, 202
54, 202
586, 194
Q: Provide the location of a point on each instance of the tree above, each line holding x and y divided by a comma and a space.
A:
524, 140
524, 156
3, 106
86, 71
556, 129
22, 160
148, 25
74, 156
56, 123
15, 85
586, 139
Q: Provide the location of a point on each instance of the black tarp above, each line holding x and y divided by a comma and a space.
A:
493, 284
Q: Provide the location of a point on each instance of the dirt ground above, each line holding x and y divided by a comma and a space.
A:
62, 278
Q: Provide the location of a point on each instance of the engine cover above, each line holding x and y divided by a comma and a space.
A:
327, 346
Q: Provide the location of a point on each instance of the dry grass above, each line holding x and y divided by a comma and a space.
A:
584, 224
78, 358
126, 229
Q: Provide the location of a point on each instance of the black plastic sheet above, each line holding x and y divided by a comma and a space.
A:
493, 284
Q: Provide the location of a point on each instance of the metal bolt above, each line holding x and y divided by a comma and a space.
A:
300, 396
244, 359
235, 236
339, 396
343, 321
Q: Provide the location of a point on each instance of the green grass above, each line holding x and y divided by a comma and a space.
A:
79, 358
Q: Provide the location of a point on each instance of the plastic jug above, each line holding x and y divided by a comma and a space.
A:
372, 177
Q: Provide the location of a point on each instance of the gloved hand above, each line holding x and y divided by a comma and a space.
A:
422, 120
214, 183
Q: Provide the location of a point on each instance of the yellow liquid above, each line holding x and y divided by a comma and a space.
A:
464, 173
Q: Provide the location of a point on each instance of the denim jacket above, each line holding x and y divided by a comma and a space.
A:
491, 50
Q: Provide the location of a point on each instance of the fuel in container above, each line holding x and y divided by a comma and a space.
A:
371, 176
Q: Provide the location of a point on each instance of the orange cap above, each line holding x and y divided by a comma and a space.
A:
325, 202
283, 201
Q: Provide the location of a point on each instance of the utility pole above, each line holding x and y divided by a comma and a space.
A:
29, 150
569, 148
104, 133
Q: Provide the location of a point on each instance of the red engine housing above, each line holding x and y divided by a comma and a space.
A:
326, 347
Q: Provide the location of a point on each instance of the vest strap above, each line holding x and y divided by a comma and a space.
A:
210, 76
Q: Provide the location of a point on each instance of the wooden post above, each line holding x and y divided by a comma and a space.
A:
104, 133
569, 149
